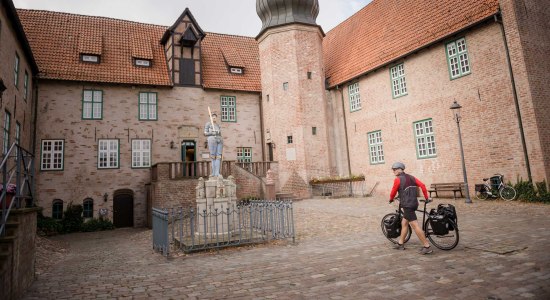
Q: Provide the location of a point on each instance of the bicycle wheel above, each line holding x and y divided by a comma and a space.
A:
482, 195
508, 193
444, 242
394, 240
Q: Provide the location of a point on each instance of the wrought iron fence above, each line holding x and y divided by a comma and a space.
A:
189, 230
340, 189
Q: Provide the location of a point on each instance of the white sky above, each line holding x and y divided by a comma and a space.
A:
236, 17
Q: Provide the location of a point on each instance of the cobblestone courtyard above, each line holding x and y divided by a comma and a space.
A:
339, 253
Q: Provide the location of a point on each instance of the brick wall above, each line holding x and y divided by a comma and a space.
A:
489, 123
287, 54
60, 117
526, 25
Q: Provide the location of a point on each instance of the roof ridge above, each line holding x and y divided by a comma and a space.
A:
88, 16
232, 35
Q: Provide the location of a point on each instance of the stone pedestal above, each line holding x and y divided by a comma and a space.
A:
214, 197
270, 185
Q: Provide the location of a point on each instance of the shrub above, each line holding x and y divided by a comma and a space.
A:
532, 193
47, 226
72, 218
97, 225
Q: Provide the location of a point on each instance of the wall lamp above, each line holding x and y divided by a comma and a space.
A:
172, 145
105, 197
2, 88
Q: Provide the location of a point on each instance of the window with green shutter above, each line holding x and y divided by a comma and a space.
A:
457, 58
376, 149
425, 138
354, 97
244, 154
92, 105
229, 108
148, 106
398, 83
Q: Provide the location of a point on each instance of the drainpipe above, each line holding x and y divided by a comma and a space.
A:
347, 141
498, 19
262, 141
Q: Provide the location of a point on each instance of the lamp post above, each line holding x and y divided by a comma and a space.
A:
455, 108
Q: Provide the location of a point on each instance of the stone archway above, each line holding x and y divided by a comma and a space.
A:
123, 208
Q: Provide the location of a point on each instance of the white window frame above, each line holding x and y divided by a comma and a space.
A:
354, 97
52, 155
376, 147
141, 153
142, 62
229, 108
425, 138
6, 139
236, 70
16, 70
90, 58
398, 82
26, 86
92, 104
457, 58
108, 154
148, 106
244, 154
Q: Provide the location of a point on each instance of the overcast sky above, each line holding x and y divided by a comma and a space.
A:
221, 16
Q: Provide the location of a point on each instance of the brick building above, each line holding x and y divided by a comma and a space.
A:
116, 98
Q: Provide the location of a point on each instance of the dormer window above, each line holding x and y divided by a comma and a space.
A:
236, 70
89, 58
142, 62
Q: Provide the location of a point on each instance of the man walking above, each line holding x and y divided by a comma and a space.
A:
407, 186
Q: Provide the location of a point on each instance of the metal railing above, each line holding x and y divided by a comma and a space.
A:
190, 230
339, 189
17, 169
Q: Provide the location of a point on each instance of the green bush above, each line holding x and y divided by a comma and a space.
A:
47, 226
532, 193
72, 218
97, 225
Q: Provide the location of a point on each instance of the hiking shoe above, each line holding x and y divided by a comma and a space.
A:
399, 246
425, 250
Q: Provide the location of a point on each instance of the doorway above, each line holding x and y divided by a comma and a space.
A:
270, 147
188, 153
123, 208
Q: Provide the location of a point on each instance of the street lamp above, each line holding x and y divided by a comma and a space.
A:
455, 108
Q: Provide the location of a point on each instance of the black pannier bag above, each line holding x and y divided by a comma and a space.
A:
449, 212
439, 223
393, 227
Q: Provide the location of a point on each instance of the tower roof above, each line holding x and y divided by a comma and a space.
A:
275, 13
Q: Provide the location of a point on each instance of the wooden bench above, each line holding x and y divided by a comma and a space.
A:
446, 187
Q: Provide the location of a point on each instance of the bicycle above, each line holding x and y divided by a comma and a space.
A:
486, 190
445, 239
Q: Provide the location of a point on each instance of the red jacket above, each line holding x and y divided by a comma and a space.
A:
396, 184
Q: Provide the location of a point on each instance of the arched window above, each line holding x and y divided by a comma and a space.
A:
88, 208
57, 209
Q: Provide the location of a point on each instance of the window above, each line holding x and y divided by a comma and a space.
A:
354, 98
376, 150
148, 106
142, 62
398, 84
7, 122
141, 153
57, 209
90, 58
457, 58
107, 157
308, 75
229, 109
236, 70
52, 155
244, 154
92, 105
26, 86
425, 138
289, 139
17, 136
314, 130
88, 208
285, 86
16, 70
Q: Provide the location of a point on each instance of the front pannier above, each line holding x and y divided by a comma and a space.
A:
393, 226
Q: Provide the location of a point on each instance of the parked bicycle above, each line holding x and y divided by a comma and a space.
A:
494, 187
439, 225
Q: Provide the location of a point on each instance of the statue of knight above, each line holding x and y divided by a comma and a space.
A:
215, 142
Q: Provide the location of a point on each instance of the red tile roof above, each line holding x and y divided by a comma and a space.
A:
57, 40
237, 50
385, 30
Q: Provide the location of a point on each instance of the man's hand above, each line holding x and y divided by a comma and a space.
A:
391, 201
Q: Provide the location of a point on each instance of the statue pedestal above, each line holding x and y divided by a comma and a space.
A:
216, 202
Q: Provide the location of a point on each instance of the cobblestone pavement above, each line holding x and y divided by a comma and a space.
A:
339, 253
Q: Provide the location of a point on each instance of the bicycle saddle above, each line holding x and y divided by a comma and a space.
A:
485, 179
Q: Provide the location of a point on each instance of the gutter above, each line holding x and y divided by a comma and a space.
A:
498, 19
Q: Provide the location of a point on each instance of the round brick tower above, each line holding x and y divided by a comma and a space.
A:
293, 93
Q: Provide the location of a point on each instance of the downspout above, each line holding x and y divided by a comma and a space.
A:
498, 19
34, 112
262, 128
347, 140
